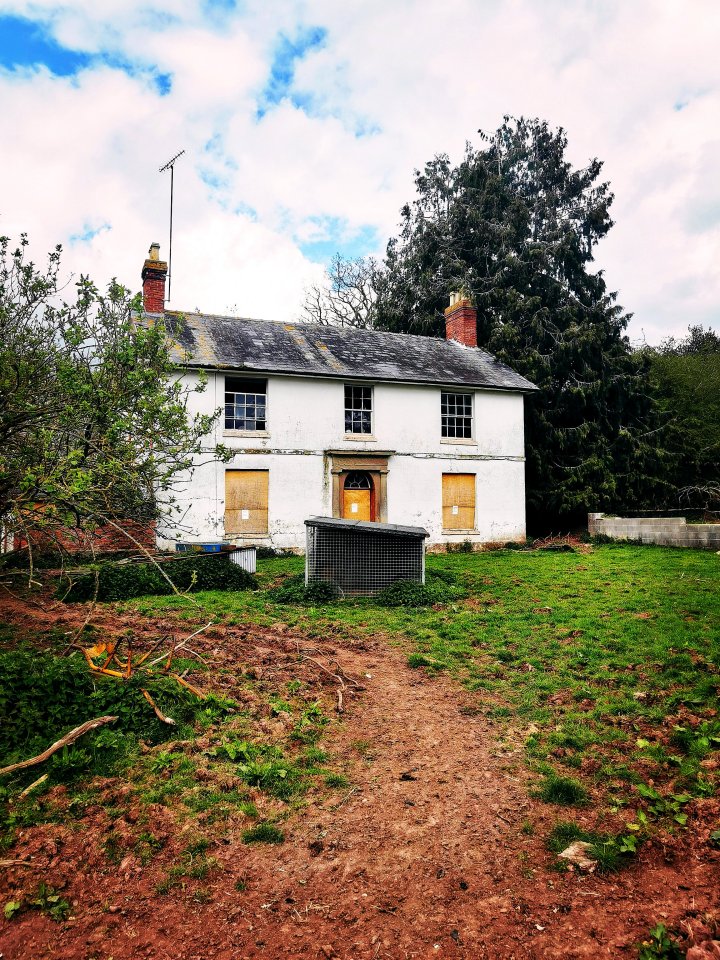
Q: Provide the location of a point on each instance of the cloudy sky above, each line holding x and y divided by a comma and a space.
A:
302, 123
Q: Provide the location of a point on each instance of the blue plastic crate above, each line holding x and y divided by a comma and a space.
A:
200, 547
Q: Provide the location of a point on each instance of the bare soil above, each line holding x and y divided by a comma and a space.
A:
423, 855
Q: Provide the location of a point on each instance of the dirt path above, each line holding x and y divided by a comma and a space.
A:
423, 856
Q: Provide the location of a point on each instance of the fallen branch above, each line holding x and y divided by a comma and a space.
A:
5, 864
336, 676
158, 712
33, 785
59, 744
189, 686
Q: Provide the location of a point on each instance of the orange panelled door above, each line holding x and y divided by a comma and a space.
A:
458, 501
357, 496
246, 501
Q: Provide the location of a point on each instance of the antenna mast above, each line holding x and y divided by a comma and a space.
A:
170, 165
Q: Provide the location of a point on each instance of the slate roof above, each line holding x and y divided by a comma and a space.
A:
263, 346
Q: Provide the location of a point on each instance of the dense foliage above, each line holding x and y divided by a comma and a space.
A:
410, 593
122, 582
94, 428
515, 226
686, 377
43, 696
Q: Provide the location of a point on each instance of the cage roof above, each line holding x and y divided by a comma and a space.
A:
235, 343
367, 526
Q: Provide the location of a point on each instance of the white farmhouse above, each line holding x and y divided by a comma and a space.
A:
342, 422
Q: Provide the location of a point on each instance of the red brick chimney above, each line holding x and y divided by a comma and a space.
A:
461, 320
154, 273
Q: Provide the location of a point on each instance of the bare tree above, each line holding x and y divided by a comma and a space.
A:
346, 297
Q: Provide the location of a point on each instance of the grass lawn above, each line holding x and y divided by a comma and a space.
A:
605, 664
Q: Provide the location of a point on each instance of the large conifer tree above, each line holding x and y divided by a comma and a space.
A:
516, 226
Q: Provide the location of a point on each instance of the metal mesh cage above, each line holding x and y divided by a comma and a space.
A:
362, 558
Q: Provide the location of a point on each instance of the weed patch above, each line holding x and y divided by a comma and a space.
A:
47, 900
660, 946
294, 590
263, 833
611, 851
562, 790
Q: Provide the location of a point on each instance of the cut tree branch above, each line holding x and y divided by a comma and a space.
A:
59, 744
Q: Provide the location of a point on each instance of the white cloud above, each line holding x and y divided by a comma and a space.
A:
636, 84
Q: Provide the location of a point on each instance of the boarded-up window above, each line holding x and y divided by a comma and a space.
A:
458, 501
246, 501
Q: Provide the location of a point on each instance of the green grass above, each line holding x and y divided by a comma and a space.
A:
592, 659
263, 833
605, 848
562, 790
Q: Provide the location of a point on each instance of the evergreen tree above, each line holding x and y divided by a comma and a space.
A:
515, 226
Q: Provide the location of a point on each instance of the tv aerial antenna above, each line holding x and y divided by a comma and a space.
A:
170, 165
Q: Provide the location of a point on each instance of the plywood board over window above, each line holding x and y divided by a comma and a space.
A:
458, 501
246, 502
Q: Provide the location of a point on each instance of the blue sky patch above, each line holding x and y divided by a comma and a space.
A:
280, 82
87, 233
338, 237
24, 43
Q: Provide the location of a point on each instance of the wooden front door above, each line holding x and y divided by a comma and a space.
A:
357, 500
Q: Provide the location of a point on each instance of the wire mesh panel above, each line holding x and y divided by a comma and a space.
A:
363, 558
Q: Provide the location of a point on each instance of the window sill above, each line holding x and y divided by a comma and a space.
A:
464, 441
450, 532
246, 433
362, 437
233, 537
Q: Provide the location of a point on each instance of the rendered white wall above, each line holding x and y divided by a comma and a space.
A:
305, 418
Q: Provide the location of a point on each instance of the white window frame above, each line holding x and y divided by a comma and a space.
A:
446, 438
358, 434
244, 431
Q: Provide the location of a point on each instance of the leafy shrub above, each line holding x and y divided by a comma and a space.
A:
294, 590
125, 581
410, 593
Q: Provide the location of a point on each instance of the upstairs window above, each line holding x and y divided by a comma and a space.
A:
358, 409
245, 403
456, 410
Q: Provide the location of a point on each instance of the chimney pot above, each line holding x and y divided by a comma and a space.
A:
154, 252
461, 320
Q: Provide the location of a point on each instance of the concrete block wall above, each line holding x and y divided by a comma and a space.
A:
667, 531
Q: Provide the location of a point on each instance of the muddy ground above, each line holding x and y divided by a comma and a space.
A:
435, 848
